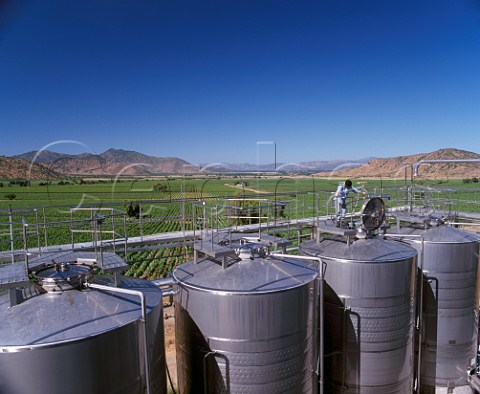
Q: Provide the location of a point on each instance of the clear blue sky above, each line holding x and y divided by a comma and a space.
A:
206, 80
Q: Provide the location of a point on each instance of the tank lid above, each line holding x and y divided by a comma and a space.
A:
258, 275
46, 319
362, 250
446, 234
441, 234
250, 250
64, 276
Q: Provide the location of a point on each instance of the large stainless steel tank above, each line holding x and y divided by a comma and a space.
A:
246, 328
449, 317
62, 339
369, 314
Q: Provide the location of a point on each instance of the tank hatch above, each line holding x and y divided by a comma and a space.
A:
373, 214
250, 250
59, 277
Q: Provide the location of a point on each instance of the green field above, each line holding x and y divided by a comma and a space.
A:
110, 191
64, 212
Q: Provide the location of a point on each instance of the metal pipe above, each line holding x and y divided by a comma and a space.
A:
143, 320
346, 312
321, 340
44, 228
419, 163
25, 245
140, 215
168, 281
168, 292
408, 190
166, 285
461, 224
12, 245
473, 379
205, 370
38, 232
408, 165
420, 314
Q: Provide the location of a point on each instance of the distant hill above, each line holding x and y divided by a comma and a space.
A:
110, 162
395, 167
334, 165
307, 166
43, 157
50, 165
126, 162
15, 168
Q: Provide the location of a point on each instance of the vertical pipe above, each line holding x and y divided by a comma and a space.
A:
182, 206
94, 232
296, 205
38, 232
420, 316
125, 235
288, 219
204, 232
143, 322
113, 229
216, 219
141, 221
99, 225
269, 211
260, 219
321, 318
346, 313
10, 221
205, 370
45, 227
25, 243
194, 224
275, 147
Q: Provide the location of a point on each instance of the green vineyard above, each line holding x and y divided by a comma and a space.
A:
110, 214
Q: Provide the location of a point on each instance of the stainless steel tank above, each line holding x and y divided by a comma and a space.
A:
63, 339
369, 314
246, 328
450, 316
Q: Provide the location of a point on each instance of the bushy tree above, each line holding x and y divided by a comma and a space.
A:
160, 187
132, 210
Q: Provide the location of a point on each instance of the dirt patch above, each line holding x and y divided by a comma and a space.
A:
245, 188
169, 329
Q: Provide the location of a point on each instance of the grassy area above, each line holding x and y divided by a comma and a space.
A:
64, 212
102, 192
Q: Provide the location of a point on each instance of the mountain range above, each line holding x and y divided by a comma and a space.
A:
111, 162
302, 167
125, 162
53, 165
15, 168
398, 167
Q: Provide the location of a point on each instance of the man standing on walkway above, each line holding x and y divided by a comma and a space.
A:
341, 197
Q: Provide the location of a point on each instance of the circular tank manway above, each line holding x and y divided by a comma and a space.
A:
64, 276
248, 328
79, 342
449, 316
369, 314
